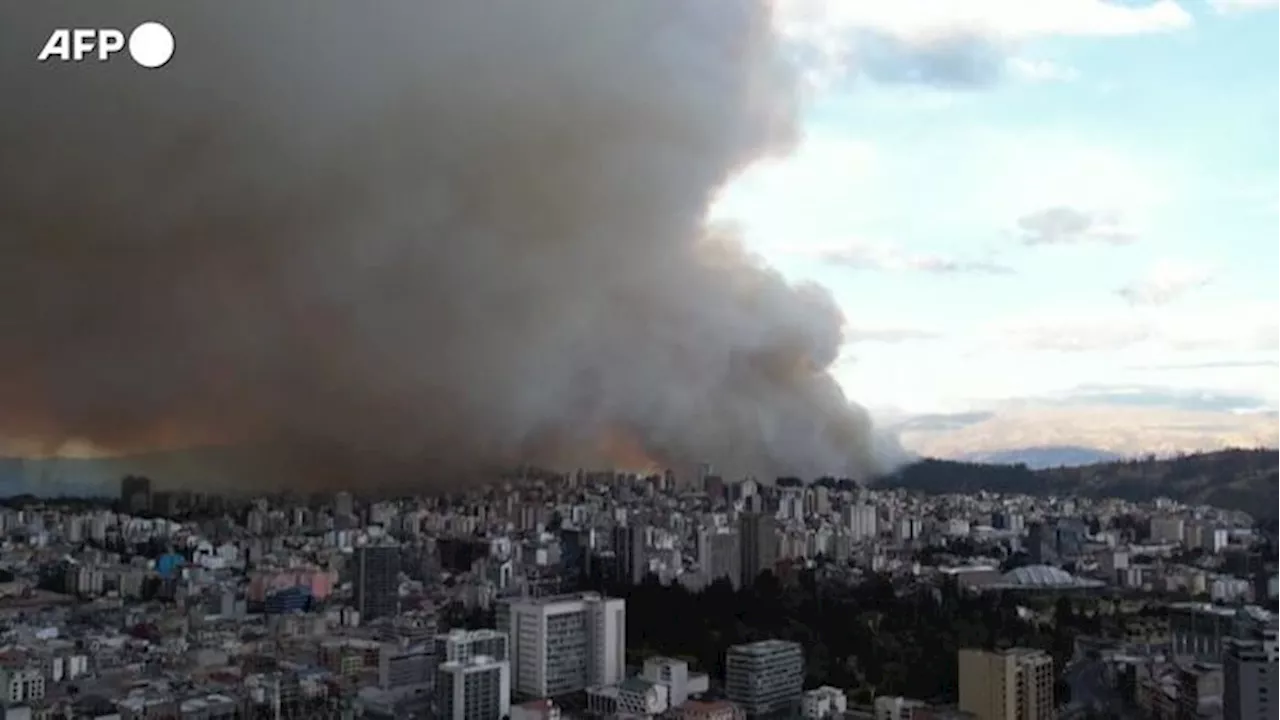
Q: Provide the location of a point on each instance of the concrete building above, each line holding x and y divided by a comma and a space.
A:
639, 697
135, 494
465, 644
1249, 677
861, 522
823, 702
897, 707
475, 689
376, 581
21, 685
564, 644
1014, 684
720, 556
671, 673
629, 553
1166, 529
758, 543
1199, 691
1199, 630
765, 678
404, 667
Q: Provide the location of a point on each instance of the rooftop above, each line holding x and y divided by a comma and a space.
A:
1044, 577
762, 647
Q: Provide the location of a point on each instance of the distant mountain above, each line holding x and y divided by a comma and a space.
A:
1246, 480
1040, 458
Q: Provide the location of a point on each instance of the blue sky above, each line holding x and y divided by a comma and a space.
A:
1057, 216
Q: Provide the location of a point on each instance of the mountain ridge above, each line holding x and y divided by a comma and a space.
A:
1247, 480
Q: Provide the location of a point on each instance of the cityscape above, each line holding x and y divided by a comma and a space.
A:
639, 360
607, 594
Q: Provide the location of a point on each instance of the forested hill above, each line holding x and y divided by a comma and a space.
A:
1236, 479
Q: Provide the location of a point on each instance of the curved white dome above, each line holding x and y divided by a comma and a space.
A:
1039, 576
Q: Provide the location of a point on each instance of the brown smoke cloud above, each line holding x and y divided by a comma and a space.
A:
408, 236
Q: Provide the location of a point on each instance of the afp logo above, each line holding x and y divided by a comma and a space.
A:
150, 45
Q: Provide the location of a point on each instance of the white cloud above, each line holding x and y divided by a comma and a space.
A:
887, 334
1165, 282
1115, 193
1063, 225
1117, 428
955, 43
1150, 329
1040, 71
1234, 6
863, 255
1075, 334
925, 21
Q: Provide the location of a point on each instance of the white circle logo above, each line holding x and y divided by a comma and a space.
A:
151, 44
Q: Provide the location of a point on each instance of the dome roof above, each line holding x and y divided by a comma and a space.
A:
1039, 576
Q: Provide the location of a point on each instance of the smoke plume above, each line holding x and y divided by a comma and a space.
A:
412, 237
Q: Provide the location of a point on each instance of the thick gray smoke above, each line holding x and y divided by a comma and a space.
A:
433, 234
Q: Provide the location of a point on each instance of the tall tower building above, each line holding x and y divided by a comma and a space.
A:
1249, 677
861, 522
376, 581
758, 543
564, 644
628, 549
343, 504
719, 556
1014, 684
765, 678
135, 494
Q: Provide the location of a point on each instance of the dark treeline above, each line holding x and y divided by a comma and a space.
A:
871, 637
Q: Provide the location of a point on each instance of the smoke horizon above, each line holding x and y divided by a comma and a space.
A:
446, 237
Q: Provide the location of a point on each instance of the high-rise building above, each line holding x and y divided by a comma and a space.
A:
1249, 677
135, 494
719, 556
765, 678
861, 522
758, 542
1013, 684
478, 688
563, 644
628, 550
376, 581
1199, 690
343, 504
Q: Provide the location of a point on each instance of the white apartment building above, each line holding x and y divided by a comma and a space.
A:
765, 677
860, 521
475, 689
824, 702
564, 644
